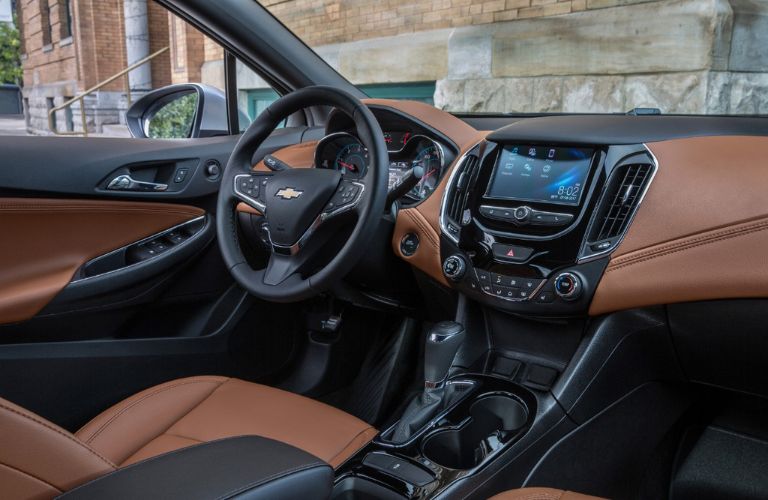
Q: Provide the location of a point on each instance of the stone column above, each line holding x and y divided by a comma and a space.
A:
137, 43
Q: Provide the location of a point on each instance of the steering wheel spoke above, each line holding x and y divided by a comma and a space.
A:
280, 268
251, 189
346, 199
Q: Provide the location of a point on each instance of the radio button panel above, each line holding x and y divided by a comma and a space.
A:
525, 216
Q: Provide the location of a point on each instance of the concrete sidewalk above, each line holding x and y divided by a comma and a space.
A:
12, 125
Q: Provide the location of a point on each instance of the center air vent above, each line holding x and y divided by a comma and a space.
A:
619, 202
457, 195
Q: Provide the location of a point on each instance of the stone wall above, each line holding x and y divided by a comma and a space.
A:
323, 22
683, 56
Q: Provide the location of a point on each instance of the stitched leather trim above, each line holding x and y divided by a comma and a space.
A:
148, 396
60, 432
355, 443
688, 243
31, 476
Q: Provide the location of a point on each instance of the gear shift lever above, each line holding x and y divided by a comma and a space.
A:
442, 343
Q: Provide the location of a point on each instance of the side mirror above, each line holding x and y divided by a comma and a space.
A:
182, 111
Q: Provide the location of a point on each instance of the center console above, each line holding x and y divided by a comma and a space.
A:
527, 227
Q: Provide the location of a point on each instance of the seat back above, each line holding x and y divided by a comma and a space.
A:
39, 459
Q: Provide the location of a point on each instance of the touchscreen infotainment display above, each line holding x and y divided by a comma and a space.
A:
540, 174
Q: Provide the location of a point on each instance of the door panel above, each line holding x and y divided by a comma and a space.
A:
53, 238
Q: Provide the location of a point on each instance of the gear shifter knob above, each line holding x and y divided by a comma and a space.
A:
442, 343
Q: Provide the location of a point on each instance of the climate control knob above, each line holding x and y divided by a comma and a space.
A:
568, 286
454, 267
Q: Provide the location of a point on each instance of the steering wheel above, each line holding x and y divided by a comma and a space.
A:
297, 202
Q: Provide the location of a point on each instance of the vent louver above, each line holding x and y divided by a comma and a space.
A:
621, 197
458, 195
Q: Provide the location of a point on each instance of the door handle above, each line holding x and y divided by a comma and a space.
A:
125, 182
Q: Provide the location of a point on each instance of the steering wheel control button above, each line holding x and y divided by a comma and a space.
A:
347, 195
409, 244
568, 286
511, 253
454, 267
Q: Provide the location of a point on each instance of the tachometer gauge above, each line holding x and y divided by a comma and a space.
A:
430, 158
352, 160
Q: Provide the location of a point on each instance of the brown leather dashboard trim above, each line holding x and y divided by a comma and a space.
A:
46, 240
301, 155
701, 230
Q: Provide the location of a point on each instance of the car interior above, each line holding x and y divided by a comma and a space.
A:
360, 298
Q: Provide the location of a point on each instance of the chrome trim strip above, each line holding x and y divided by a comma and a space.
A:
139, 242
448, 187
612, 248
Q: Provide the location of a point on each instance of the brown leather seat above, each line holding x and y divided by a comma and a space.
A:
40, 460
541, 494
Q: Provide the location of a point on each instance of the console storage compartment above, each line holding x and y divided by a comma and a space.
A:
493, 420
241, 467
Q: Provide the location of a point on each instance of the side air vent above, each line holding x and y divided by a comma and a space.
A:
457, 195
620, 200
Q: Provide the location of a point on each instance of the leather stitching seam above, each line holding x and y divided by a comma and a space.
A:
3, 464
367, 429
144, 398
687, 245
58, 431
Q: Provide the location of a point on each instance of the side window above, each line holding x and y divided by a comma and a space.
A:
72, 59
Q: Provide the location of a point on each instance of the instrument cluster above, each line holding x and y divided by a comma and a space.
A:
344, 152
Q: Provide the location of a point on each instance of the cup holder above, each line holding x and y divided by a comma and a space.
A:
493, 420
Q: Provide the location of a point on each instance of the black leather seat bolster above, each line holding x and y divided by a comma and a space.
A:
248, 467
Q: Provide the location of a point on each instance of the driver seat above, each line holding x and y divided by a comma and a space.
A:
40, 460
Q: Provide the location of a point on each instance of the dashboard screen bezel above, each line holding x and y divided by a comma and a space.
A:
587, 175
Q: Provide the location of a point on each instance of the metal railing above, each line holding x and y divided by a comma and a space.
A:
81, 97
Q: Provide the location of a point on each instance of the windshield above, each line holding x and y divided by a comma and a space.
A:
546, 56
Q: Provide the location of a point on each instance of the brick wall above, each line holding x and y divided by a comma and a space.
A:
321, 22
158, 38
187, 51
44, 63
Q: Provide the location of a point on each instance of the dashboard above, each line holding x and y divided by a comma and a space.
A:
571, 215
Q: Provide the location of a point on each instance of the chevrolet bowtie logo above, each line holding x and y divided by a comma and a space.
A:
288, 193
